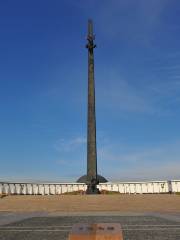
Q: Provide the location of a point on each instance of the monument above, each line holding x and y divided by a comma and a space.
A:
92, 179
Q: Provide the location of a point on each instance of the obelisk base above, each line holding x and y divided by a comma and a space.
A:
92, 191
92, 187
84, 179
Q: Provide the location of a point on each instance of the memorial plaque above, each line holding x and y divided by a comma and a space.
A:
99, 231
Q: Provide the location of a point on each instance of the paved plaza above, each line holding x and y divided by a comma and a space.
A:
39, 227
142, 217
92, 203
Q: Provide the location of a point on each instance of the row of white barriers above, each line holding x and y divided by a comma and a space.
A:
40, 188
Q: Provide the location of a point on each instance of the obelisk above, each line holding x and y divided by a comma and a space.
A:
91, 179
91, 129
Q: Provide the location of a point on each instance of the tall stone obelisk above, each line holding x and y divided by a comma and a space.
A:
91, 130
91, 179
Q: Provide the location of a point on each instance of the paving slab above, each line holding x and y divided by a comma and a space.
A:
135, 227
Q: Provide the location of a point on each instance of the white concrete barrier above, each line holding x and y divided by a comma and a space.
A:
32, 188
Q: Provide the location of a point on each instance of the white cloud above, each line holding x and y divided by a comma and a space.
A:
166, 171
125, 97
69, 145
120, 162
122, 96
154, 97
125, 19
120, 153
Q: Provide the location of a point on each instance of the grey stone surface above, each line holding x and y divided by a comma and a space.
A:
10, 217
58, 227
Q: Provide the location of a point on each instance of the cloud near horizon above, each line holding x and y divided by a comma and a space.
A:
124, 162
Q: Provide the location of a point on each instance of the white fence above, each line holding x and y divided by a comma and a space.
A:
30, 188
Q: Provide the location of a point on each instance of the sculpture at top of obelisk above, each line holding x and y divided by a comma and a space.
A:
91, 179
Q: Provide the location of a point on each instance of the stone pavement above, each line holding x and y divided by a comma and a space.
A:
41, 226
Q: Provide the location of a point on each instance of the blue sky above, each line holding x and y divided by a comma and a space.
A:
43, 89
